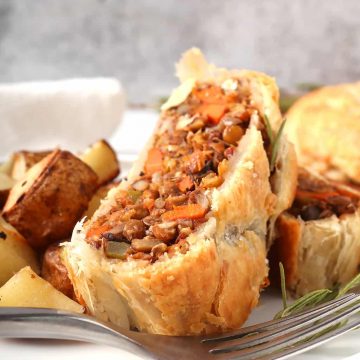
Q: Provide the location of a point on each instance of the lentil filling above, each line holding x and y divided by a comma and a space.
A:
189, 157
318, 199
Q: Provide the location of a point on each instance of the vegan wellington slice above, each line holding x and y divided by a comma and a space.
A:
180, 247
318, 240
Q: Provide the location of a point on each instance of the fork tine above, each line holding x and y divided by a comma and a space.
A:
298, 349
280, 323
284, 340
262, 337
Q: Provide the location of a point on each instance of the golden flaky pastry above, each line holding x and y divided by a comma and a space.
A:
318, 237
318, 254
324, 125
214, 284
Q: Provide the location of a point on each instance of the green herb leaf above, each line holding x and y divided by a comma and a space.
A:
307, 301
313, 298
283, 285
275, 146
268, 129
350, 285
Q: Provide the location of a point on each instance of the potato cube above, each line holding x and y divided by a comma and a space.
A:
102, 159
26, 289
15, 252
45, 205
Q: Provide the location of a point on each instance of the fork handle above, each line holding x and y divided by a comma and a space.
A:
35, 323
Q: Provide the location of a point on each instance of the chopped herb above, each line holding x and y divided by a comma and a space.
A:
134, 195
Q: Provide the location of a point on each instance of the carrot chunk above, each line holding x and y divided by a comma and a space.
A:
190, 211
213, 95
214, 112
185, 184
97, 231
303, 194
154, 161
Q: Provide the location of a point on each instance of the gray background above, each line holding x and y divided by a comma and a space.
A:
138, 41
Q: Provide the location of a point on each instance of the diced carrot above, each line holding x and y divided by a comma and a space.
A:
154, 161
212, 94
315, 195
348, 192
190, 211
185, 184
214, 112
97, 230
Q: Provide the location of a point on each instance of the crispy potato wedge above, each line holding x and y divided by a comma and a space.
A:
6, 167
54, 271
15, 252
101, 157
6, 183
96, 199
26, 289
24, 160
45, 205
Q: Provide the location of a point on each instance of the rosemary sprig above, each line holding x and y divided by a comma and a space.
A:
275, 146
309, 300
355, 282
268, 129
283, 285
274, 141
313, 298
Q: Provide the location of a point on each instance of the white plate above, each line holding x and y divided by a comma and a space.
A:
133, 133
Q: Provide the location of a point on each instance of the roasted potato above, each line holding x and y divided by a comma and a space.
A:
45, 205
102, 159
15, 252
6, 183
27, 289
96, 199
54, 271
24, 160
6, 167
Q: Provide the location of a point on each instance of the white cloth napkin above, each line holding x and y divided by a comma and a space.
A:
70, 113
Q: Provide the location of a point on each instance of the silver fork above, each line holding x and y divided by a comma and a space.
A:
276, 339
